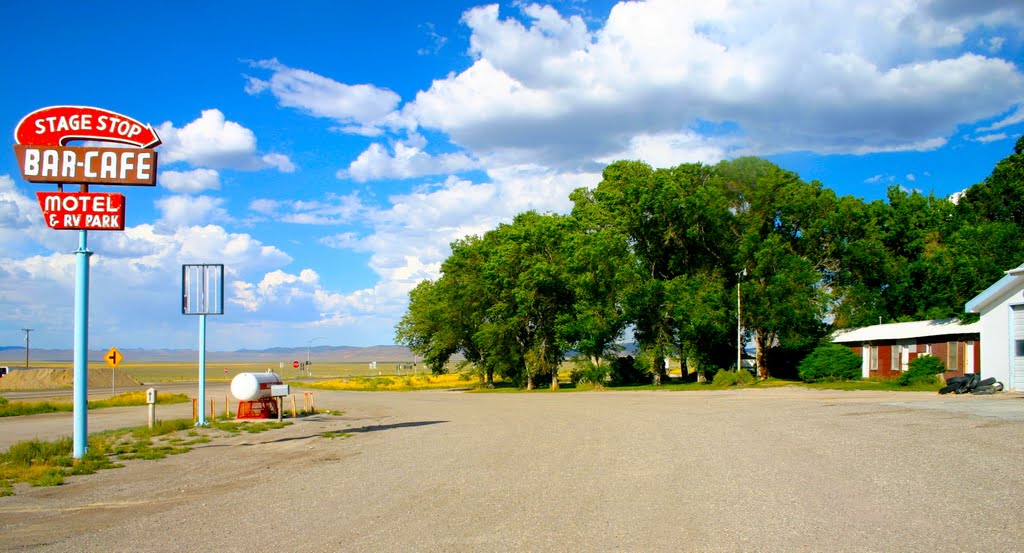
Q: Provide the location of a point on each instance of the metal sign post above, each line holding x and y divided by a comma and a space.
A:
41, 139
113, 358
202, 293
81, 364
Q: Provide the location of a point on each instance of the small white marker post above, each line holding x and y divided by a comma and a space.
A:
151, 403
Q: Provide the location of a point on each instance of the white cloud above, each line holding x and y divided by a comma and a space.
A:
437, 41
910, 177
410, 238
647, 82
177, 211
925, 145
408, 160
358, 107
279, 292
553, 92
279, 161
670, 149
213, 141
993, 44
17, 211
333, 210
190, 182
880, 178
1013, 118
344, 241
135, 286
991, 137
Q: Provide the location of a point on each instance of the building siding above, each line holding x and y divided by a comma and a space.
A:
938, 346
997, 351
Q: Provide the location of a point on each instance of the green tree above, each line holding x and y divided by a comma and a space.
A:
530, 291
599, 270
782, 250
445, 316
675, 223
1000, 197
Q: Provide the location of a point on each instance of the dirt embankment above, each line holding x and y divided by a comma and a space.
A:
39, 379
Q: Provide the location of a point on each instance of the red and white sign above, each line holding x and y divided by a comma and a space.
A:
82, 211
295, 364
74, 165
58, 125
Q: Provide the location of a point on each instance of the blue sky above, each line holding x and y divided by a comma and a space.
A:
328, 152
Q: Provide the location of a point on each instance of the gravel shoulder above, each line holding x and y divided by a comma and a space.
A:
786, 469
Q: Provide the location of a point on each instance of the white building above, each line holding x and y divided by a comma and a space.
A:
1002, 329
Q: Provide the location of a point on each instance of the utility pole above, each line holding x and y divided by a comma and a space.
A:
739, 322
26, 330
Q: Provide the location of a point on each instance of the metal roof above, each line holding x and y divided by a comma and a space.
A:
905, 331
1002, 289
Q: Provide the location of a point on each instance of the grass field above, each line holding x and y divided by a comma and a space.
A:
47, 463
422, 381
189, 371
19, 408
396, 376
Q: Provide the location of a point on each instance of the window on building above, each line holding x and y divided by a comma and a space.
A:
873, 363
953, 356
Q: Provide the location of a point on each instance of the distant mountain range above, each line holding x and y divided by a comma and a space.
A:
341, 354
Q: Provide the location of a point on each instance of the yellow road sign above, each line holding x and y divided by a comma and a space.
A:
113, 357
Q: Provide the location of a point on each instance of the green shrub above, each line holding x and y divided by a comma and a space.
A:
625, 371
922, 370
724, 378
586, 372
3, 400
830, 362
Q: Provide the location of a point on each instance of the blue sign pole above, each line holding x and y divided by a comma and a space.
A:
201, 413
81, 374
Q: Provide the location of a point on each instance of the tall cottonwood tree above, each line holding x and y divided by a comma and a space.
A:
446, 316
530, 290
661, 251
784, 288
673, 222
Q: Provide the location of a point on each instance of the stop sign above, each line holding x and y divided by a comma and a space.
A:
295, 364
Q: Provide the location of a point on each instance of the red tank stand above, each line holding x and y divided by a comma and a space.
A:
263, 408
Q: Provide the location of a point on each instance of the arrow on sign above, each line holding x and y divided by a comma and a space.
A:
113, 357
58, 125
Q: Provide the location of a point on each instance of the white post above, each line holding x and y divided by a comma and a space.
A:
739, 324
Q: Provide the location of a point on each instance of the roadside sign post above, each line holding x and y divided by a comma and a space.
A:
41, 139
202, 293
113, 358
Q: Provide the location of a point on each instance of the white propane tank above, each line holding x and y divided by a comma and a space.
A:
253, 386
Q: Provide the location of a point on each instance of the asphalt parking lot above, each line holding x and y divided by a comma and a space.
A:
786, 469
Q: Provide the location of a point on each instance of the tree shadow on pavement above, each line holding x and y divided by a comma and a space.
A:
378, 427
360, 430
